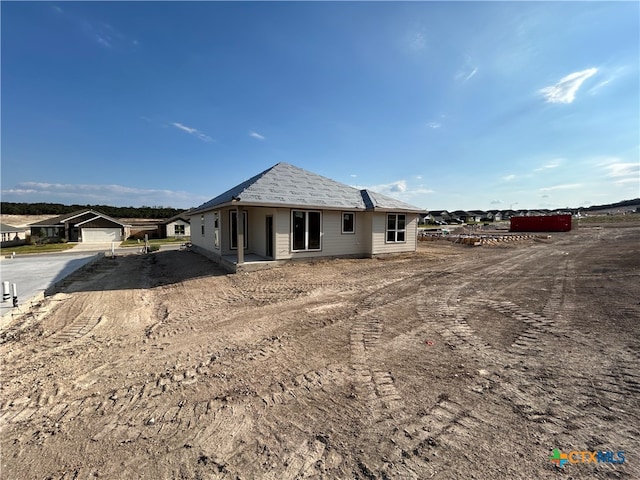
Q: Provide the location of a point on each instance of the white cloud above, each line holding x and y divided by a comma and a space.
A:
193, 131
116, 195
495, 202
611, 75
508, 178
622, 173
257, 135
622, 169
434, 125
624, 181
419, 41
467, 71
185, 128
398, 189
353, 175
103, 34
103, 41
565, 186
565, 90
471, 74
549, 165
399, 186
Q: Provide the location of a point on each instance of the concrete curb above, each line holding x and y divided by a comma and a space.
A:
22, 309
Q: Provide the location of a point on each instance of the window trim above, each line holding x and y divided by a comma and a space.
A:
202, 225
347, 232
306, 231
395, 230
182, 228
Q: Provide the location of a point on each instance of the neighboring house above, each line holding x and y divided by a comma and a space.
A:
143, 227
87, 226
477, 216
494, 215
507, 214
461, 215
177, 226
288, 213
11, 235
438, 216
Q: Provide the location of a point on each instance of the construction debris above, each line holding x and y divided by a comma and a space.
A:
477, 239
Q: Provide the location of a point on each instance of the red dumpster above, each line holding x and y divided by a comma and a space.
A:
541, 223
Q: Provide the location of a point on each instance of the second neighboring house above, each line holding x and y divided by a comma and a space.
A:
87, 226
11, 235
177, 226
288, 213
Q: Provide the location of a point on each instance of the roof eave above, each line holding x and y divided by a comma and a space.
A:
241, 203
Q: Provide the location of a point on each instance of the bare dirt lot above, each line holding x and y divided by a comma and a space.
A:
453, 363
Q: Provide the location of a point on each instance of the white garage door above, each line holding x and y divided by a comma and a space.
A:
93, 235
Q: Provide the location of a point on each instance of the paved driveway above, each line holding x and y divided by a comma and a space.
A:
33, 274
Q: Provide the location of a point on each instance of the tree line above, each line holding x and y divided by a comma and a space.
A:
13, 208
624, 203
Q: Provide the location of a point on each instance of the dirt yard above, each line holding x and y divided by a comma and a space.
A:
454, 363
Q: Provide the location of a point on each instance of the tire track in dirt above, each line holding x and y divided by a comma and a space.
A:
449, 421
526, 390
129, 411
374, 385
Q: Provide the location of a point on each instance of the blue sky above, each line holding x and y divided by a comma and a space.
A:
443, 105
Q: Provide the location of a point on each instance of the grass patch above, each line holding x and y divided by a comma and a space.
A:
47, 248
154, 241
594, 219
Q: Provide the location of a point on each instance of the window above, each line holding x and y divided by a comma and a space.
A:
202, 225
178, 229
348, 222
234, 229
306, 230
216, 230
396, 228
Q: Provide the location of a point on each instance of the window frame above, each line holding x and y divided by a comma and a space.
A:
202, 225
395, 230
182, 229
306, 231
353, 223
216, 230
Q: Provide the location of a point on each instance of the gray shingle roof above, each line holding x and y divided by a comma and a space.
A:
4, 228
287, 185
80, 214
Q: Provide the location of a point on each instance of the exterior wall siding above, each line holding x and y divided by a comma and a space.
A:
333, 241
379, 235
368, 239
205, 241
